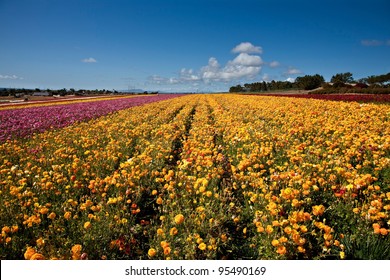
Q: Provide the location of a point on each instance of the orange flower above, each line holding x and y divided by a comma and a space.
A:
318, 210
67, 215
179, 219
281, 250
164, 244
29, 253
52, 216
260, 229
224, 237
40, 242
287, 230
173, 231
301, 249
167, 250
6, 229
159, 201
37, 256
76, 251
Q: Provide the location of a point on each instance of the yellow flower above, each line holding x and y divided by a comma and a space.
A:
318, 210
87, 225
342, 255
40, 242
275, 243
152, 252
269, 229
179, 219
173, 231
202, 246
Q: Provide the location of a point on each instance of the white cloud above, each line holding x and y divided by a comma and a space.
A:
291, 80
247, 47
10, 77
188, 75
243, 66
274, 64
293, 71
247, 60
89, 60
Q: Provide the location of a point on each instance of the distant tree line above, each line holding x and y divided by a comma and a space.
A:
18, 92
22, 92
339, 83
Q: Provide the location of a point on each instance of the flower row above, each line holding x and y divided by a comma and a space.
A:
24, 122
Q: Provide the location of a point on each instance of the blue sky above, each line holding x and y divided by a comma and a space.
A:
188, 45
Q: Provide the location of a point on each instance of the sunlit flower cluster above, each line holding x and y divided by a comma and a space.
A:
22, 121
201, 177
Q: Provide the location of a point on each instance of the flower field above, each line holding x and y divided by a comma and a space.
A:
24, 120
357, 97
201, 177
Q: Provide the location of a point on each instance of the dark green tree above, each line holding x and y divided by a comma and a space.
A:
342, 78
237, 88
309, 82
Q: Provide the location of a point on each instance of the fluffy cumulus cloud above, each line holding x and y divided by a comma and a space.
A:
247, 60
89, 60
245, 65
247, 47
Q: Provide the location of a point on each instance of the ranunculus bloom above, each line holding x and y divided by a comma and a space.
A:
179, 219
